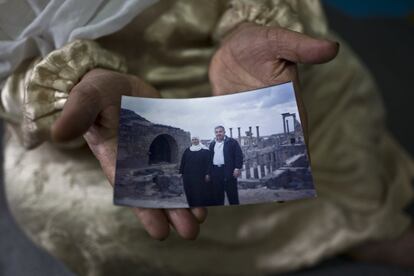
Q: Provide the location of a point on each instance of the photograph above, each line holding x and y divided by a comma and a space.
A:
241, 148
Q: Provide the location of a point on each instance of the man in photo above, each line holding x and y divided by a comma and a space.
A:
227, 162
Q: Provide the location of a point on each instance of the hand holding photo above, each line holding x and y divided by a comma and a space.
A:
234, 149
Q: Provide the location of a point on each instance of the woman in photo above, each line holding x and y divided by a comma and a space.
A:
195, 167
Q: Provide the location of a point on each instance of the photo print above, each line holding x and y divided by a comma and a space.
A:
241, 148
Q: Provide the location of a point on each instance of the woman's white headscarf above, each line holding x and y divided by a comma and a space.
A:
35, 28
199, 146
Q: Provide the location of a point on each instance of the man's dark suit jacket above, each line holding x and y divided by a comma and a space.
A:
233, 156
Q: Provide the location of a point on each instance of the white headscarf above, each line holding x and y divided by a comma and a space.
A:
35, 28
199, 146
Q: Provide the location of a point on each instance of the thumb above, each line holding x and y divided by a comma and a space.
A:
79, 113
98, 90
300, 48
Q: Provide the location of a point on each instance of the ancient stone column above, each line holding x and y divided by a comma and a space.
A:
262, 171
294, 126
248, 174
250, 136
257, 133
262, 166
231, 132
268, 158
273, 161
238, 129
255, 171
277, 160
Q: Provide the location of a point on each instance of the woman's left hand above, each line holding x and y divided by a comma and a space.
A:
254, 56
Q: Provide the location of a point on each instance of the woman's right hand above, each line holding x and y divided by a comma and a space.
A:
92, 110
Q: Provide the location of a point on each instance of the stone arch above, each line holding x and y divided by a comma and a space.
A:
162, 149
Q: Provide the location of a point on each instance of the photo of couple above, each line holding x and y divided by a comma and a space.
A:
235, 149
210, 173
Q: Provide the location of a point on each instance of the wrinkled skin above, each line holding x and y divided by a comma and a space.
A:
250, 57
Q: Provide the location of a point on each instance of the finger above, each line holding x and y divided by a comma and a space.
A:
300, 48
184, 223
200, 214
98, 88
79, 113
142, 89
154, 221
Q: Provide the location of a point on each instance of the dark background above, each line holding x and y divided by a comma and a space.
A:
382, 35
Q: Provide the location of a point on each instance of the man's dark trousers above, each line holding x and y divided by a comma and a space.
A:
222, 186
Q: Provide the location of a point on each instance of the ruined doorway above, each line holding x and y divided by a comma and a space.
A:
163, 149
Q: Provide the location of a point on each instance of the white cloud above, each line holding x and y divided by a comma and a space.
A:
262, 107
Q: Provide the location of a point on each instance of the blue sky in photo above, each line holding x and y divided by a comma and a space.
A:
262, 107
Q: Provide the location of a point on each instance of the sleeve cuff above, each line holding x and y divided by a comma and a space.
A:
35, 96
266, 13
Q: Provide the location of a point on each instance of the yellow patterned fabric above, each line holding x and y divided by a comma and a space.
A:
37, 92
64, 203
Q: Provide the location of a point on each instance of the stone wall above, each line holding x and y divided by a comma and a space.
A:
136, 135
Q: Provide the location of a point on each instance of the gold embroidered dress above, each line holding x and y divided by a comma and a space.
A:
62, 200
